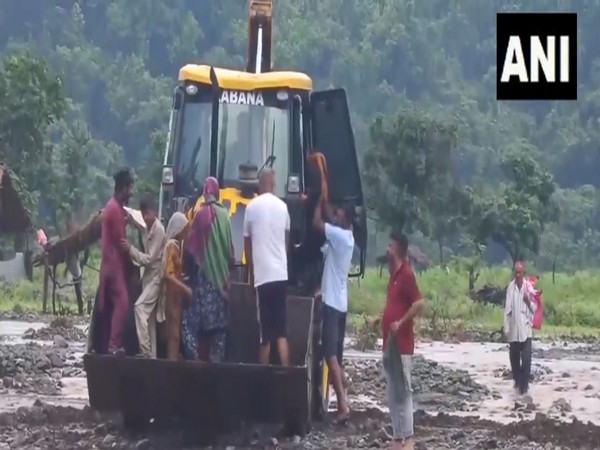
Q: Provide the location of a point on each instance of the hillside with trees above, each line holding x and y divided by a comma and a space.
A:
85, 86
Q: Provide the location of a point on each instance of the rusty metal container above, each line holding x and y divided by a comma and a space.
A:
217, 397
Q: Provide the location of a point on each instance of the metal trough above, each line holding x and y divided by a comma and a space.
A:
215, 397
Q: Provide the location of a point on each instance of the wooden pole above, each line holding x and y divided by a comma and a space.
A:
54, 290
45, 292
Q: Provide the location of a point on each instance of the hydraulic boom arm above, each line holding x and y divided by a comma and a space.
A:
259, 36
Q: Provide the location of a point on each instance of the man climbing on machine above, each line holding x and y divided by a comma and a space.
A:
334, 292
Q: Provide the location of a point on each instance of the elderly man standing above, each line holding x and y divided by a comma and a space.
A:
154, 241
518, 319
266, 237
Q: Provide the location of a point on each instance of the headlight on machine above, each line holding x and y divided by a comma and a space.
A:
167, 175
191, 89
293, 184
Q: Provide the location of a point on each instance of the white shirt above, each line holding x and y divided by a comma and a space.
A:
338, 258
266, 221
518, 318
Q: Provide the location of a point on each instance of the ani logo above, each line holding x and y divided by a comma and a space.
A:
536, 56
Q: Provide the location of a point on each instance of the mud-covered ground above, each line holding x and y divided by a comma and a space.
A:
40, 369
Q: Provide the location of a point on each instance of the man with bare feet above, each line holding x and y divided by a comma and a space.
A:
337, 230
266, 237
403, 304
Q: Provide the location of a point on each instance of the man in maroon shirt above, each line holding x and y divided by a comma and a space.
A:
113, 295
403, 304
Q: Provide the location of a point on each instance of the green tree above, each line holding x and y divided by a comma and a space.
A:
405, 167
31, 99
517, 217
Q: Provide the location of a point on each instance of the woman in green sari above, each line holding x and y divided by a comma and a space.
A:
211, 246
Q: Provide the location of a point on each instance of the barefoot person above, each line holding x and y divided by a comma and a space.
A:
403, 304
334, 292
518, 319
266, 237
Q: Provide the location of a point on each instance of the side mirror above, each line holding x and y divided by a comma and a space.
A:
168, 177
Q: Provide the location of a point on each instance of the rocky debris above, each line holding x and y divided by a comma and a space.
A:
561, 406
28, 316
34, 368
564, 350
539, 372
44, 427
59, 335
431, 383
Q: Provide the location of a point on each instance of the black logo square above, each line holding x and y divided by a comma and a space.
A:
536, 56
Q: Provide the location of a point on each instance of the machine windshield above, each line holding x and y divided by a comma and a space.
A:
251, 134
248, 134
193, 158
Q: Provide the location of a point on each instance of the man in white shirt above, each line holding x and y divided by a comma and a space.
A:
266, 237
518, 319
334, 292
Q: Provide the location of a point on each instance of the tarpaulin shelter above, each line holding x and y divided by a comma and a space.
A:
14, 217
15, 222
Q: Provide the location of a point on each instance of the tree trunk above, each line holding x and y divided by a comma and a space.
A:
441, 250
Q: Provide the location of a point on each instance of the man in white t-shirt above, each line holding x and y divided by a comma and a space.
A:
334, 292
266, 237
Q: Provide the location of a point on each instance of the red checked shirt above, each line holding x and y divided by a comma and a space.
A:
402, 293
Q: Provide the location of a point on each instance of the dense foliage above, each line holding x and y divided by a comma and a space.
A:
523, 178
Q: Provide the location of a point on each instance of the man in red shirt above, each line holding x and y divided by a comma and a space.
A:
403, 304
113, 295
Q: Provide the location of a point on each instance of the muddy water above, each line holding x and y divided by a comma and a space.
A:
573, 383
569, 385
74, 389
571, 380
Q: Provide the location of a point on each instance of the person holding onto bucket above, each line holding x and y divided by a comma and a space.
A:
210, 244
115, 265
334, 292
519, 308
154, 240
266, 239
170, 305
403, 304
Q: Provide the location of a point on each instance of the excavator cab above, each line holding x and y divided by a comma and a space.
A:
231, 125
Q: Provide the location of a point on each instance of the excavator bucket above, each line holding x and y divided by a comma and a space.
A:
211, 397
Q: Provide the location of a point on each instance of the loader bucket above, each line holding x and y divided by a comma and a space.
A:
216, 398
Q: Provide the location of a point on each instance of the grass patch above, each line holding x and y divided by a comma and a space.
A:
571, 303
27, 296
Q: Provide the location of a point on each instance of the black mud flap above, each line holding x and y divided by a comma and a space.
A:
333, 136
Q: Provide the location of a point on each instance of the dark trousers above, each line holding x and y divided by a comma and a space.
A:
520, 363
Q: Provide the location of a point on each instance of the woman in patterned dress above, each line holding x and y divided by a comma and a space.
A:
210, 243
